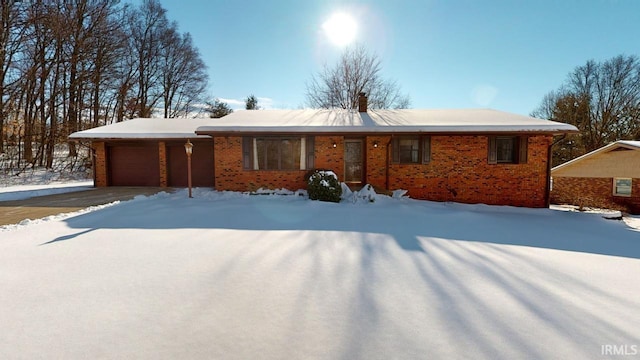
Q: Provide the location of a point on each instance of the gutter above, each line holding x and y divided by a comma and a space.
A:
547, 189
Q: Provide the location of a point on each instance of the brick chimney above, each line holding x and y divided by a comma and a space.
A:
362, 102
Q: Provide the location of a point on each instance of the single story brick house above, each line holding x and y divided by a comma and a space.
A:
471, 156
608, 177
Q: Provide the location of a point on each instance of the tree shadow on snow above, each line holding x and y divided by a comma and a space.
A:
405, 221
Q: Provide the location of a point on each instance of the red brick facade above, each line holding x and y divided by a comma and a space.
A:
458, 169
100, 163
162, 151
230, 175
594, 192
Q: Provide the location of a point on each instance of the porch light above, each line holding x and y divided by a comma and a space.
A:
188, 148
335, 145
375, 144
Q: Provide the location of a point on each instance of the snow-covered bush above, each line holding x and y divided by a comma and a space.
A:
323, 185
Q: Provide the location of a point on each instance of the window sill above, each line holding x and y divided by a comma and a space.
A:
274, 170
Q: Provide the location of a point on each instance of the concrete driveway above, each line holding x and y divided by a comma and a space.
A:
14, 211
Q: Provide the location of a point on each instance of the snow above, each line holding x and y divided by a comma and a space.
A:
630, 143
328, 121
387, 121
235, 276
21, 192
39, 182
146, 128
328, 173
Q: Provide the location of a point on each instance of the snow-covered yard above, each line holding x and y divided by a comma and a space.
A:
233, 276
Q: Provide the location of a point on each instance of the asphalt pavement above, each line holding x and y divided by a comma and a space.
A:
15, 211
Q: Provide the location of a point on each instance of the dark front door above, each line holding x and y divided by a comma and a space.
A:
353, 161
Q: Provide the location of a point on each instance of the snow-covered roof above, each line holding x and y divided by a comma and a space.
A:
384, 121
629, 144
328, 121
146, 128
632, 143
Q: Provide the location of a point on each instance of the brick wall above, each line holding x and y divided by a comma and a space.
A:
162, 156
458, 170
328, 157
229, 174
100, 164
376, 160
594, 192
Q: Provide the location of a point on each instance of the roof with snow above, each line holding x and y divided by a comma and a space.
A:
380, 121
330, 121
146, 128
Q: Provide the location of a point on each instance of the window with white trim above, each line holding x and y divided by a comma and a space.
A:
622, 187
277, 153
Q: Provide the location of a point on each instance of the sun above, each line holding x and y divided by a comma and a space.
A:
340, 29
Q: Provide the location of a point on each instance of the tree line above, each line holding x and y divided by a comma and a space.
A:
67, 66
70, 65
602, 99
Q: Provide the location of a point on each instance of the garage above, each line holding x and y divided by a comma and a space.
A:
133, 164
150, 152
201, 164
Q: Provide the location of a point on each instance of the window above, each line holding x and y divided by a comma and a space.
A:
411, 149
622, 187
508, 149
277, 153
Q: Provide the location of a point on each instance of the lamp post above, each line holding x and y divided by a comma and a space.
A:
188, 148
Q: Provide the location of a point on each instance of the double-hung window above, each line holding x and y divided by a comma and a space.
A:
277, 153
622, 186
411, 149
508, 149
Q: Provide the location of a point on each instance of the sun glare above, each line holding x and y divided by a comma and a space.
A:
340, 29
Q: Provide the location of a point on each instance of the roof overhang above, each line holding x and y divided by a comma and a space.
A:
336, 121
145, 129
357, 130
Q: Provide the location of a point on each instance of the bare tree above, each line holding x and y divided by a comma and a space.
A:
357, 71
69, 65
602, 99
149, 26
567, 107
12, 33
107, 44
184, 76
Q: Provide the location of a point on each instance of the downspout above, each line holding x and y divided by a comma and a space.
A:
547, 190
386, 181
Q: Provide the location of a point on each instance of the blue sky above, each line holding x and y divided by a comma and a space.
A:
504, 55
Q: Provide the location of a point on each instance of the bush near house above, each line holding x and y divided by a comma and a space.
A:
323, 185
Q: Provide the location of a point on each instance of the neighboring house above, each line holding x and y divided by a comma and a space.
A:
608, 177
470, 156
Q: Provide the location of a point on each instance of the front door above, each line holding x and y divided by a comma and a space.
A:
353, 161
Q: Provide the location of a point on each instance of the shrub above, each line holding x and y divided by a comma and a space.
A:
323, 185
